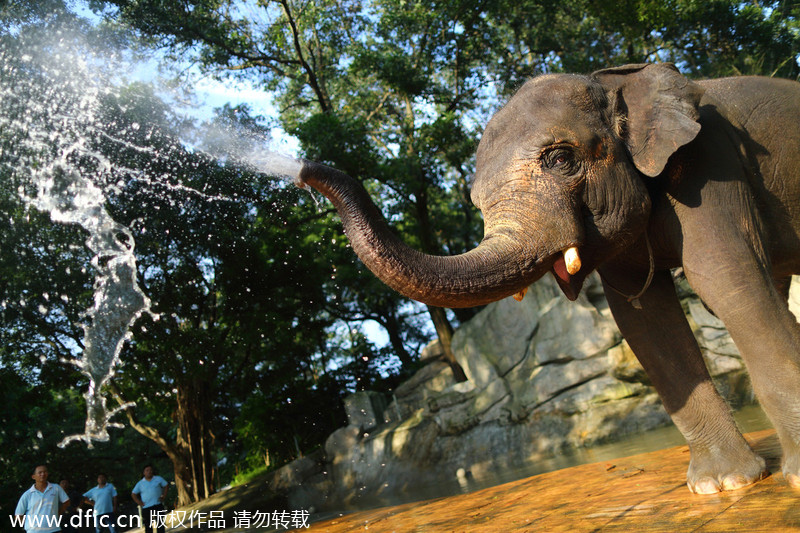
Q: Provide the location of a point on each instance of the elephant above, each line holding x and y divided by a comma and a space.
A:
634, 171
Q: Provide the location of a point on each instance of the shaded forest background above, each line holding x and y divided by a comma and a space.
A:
263, 308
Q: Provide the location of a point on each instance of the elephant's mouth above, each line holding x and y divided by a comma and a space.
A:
566, 268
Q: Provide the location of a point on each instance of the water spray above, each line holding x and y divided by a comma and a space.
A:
51, 117
51, 99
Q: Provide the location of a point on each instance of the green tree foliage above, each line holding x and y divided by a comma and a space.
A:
709, 39
36, 417
388, 91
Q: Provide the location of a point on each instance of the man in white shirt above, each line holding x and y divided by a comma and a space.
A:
149, 493
104, 499
41, 505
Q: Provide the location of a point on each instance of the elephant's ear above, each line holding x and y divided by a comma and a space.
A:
655, 111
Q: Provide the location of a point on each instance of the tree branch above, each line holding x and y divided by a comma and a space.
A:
150, 432
312, 77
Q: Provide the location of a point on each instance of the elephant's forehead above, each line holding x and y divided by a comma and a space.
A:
545, 107
546, 110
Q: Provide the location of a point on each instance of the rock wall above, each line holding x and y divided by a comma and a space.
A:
544, 375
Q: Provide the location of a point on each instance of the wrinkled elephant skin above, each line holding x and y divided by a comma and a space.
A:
634, 171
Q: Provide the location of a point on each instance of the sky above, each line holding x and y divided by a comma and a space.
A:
212, 93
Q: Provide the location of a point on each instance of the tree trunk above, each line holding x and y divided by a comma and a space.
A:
190, 454
445, 332
182, 473
194, 436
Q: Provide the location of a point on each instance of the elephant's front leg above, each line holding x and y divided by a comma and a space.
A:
663, 342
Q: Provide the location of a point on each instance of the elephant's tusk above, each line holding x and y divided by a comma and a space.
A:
521, 294
573, 260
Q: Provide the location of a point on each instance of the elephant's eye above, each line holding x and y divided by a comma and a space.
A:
560, 159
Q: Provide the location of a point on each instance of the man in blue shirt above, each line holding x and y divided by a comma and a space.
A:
149, 493
104, 499
42, 504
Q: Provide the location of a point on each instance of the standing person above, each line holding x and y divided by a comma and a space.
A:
149, 493
72, 506
104, 499
41, 505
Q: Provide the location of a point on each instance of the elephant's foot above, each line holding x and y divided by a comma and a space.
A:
715, 470
791, 464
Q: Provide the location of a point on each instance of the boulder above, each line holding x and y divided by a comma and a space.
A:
365, 409
543, 328
413, 394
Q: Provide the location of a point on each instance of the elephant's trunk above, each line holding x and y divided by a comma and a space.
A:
493, 270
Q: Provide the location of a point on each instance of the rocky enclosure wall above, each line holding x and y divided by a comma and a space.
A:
545, 374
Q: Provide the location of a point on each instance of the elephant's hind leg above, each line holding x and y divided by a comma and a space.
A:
766, 333
664, 343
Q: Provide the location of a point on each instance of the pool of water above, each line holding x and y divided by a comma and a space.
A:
749, 419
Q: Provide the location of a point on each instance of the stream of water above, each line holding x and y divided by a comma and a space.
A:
50, 116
